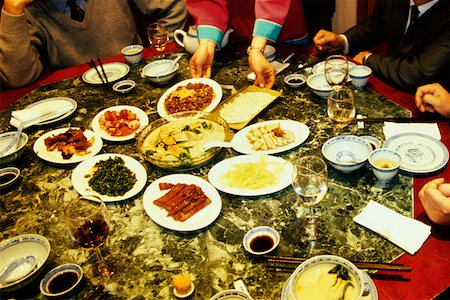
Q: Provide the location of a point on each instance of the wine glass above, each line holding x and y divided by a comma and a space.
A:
341, 106
336, 71
310, 183
88, 225
158, 35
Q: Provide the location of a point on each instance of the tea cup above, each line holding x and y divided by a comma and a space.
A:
385, 164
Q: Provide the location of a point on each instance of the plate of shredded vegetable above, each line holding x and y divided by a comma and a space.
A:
112, 177
251, 175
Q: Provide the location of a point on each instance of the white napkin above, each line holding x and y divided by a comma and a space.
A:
40, 113
431, 129
407, 233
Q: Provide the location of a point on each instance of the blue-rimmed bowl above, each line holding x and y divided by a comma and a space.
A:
319, 85
360, 75
385, 163
346, 153
133, 53
8, 176
61, 280
12, 154
124, 86
159, 71
259, 233
295, 81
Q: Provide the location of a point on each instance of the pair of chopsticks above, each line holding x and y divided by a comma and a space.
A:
293, 262
103, 78
396, 120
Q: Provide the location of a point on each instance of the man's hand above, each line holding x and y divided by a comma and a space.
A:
327, 41
360, 56
433, 97
15, 7
435, 198
201, 62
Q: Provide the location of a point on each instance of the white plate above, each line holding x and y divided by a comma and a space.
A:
50, 103
200, 220
216, 172
143, 120
372, 295
55, 156
420, 153
114, 71
81, 185
320, 67
300, 131
215, 101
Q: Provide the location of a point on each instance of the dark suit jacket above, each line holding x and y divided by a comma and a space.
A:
420, 56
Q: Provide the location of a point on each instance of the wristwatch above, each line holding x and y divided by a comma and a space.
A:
366, 57
250, 48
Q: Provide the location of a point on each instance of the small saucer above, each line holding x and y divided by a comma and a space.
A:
261, 240
61, 280
124, 86
295, 80
8, 176
188, 294
373, 141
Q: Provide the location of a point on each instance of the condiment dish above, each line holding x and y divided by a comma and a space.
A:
22, 246
231, 295
61, 280
124, 86
8, 176
261, 240
295, 80
133, 53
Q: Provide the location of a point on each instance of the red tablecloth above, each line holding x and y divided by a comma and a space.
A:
430, 265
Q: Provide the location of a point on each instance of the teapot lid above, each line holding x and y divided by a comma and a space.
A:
192, 30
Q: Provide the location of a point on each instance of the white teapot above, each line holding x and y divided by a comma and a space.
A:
190, 39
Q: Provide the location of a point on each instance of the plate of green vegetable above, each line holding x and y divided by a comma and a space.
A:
112, 177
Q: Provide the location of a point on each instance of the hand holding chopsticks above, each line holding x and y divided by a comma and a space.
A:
102, 75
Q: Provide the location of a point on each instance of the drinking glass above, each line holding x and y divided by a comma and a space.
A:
310, 183
158, 36
88, 224
336, 71
341, 106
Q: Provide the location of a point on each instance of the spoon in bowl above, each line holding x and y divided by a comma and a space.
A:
18, 269
169, 68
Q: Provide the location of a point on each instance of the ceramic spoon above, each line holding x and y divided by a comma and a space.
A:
169, 68
216, 143
18, 269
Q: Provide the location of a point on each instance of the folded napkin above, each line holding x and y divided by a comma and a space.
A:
431, 129
40, 113
407, 233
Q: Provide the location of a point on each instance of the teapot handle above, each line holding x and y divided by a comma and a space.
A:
175, 36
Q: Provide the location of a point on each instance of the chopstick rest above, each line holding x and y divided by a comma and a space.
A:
407, 233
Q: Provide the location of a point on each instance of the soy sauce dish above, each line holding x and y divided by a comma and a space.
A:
61, 280
261, 240
295, 80
8, 176
124, 86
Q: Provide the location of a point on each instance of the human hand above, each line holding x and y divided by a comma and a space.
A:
264, 71
15, 7
327, 41
360, 56
435, 198
201, 62
433, 97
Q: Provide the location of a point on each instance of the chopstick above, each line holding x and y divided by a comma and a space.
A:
93, 65
103, 70
293, 262
397, 120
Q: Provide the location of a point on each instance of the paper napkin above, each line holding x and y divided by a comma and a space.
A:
40, 113
407, 233
431, 129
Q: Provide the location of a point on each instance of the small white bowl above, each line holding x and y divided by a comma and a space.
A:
319, 85
152, 69
269, 52
295, 80
61, 280
359, 76
8, 176
261, 240
133, 53
22, 246
231, 295
385, 164
12, 154
346, 153
124, 86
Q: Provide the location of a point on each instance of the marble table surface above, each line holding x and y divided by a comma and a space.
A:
147, 256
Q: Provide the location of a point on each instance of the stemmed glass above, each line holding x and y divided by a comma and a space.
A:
310, 183
341, 106
88, 224
158, 35
336, 71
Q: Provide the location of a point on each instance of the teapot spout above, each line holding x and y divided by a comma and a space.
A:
226, 37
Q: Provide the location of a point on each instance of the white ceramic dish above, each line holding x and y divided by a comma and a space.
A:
140, 114
215, 101
300, 131
46, 286
124, 86
319, 85
420, 153
133, 53
320, 67
295, 81
51, 103
153, 71
258, 232
9, 176
81, 185
55, 156
231, 295
22, 246
12, 154
269, 52
114, 71
284, 175
201, 219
